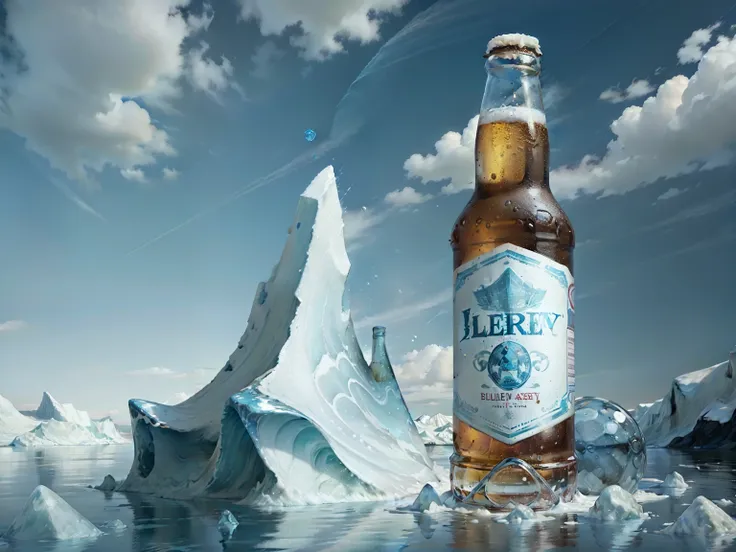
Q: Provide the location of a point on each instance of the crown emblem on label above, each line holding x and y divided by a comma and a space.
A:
509, 293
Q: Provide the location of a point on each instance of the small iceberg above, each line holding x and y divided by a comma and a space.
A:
675, 481
615, 504
227, 524
47, 516
108, 484
427, 496
702, 519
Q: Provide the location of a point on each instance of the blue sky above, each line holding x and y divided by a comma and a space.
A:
136, 220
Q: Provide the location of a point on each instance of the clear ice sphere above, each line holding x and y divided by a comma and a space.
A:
609, 446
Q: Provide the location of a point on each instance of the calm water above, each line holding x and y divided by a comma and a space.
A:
157, 524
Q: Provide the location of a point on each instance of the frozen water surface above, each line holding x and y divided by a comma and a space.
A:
157, 525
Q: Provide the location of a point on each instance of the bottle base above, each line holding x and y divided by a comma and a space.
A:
513, 482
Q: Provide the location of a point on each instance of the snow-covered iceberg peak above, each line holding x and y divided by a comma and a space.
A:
51, 409
319, 427
698, 410
12, 422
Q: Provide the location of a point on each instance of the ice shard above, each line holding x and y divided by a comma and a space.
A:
296, 412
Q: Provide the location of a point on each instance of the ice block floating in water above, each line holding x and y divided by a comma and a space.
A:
296, 412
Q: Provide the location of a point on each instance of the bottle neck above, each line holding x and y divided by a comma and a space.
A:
511, 145
379, 353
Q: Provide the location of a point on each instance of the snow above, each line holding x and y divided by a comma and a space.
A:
435, 430
615, 504
294, 416
54, 424
514, 39
674, 481
702, 519
708, 394
46, 516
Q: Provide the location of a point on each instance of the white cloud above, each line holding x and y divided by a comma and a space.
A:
637, 89
206, 74
686, 127
322, 26
405, 312
692, 49
669, 194
453, 160
358, 223
137, 175
406, 196
201, 22
155, 371
170, 174
75, 68
426, 375
13, 325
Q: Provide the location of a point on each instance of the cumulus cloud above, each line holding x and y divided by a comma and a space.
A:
692, 49
322, 26
137, 175
406, 196
206, 74
12, 325
637, 89
170, 174
685, 127
426, 374
77, 71
158, 371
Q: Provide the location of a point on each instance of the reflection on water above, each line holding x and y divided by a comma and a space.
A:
155, 524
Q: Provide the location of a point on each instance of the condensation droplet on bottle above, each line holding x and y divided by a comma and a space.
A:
515, 209
478, 220
507, 203
530, 226
493, 176
544, 216
462, 222
488, 224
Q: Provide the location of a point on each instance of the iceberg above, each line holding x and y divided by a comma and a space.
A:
12, 422
296, 414
702, 519
435, 430
697, 412
46, 516
54, 424
616, 504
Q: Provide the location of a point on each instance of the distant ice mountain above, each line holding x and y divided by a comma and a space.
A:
295, 415
54, 424
698, 411
435, 430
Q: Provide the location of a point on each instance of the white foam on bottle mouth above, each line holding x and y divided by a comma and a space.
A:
514, 40
513, 114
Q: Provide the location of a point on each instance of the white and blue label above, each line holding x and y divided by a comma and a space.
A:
514, 368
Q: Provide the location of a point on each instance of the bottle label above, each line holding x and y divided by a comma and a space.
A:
514, 370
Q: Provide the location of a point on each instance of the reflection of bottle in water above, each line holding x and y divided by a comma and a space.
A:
380, 364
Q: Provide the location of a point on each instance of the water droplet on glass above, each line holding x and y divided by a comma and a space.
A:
488, 224
515, 209
309, 135
493, 176
462, 222
544, 216
478, 220
507, 203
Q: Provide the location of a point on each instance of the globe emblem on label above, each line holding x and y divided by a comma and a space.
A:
509, 365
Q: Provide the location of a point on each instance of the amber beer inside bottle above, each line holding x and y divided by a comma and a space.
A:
512, 204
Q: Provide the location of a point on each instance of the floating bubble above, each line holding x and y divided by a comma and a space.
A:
309, 135
609, 446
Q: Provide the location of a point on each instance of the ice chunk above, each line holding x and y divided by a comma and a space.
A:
295, 415
227, 524
108, 484
435, 430
423, 502
674, 481
46, 516
114, 526
702, 519
520, 513
615, 504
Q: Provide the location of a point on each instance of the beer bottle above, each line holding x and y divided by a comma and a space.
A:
514, 371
